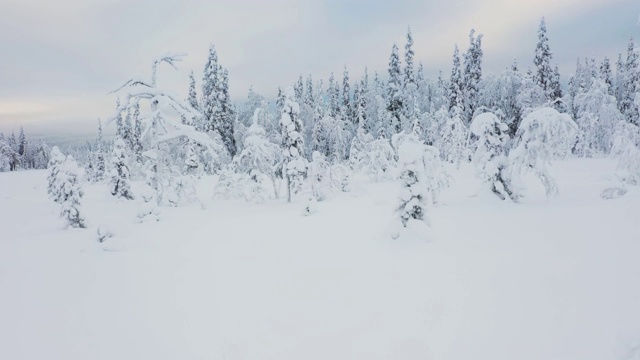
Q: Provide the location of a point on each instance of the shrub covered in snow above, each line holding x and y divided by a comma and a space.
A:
625, 149
490, 156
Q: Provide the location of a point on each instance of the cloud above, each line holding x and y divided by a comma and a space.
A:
69, 54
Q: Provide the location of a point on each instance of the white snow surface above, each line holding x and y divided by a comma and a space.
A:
544, 279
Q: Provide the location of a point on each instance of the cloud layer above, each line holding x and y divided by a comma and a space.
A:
60, 59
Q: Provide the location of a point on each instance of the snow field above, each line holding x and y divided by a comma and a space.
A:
544, 279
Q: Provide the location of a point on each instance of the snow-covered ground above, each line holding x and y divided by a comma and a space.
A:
545, 279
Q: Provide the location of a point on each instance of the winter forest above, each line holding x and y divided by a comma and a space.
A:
367, 215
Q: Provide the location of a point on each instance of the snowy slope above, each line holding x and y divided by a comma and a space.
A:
545, 279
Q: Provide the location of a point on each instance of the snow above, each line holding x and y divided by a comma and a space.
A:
243, 281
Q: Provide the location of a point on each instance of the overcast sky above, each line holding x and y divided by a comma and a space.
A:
59, 59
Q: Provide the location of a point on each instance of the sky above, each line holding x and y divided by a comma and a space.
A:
60, 59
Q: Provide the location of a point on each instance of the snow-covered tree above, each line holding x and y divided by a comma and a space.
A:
453, 141
258, 161
544, 135
294, 166
319, 177
394, 91
70, 193
490, 157
626, 149
379, 163
100, 166
414, 195
56, 158
597, 119
119, 183
472, 75
544, 74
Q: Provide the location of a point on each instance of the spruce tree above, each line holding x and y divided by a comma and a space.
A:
456, 84
299, 90
137, 134
294, 166
472, 75
210, 91
394, 91
605, 74
70, 193
100, 163
120, 185
347, 109
631, 85
227, 115
22, 143
409, 76
543, 76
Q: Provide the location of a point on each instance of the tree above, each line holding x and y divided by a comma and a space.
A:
472, 75
631, 86
542, 61
605, 74
347, 108
22, 143
56, 159
409, 76
543, 135
258, 161
292, 144
456, 84
414, 194
70, 193
120, 186
490, 156
211, 106
597, 119
100, 163
394, 91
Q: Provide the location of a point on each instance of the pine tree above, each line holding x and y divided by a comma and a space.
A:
490, 156
70, 193
542, 60
127, 130
120, 186
333, 95
409, 76
394, 91
631, 86
605, 74
620, 83
119, 122
100, 163
309, 95
192, 99
347, 108
472, 74
292, 144
226, 117
137, 134
210, 91
22, 143
56, 158
414, 195
456, 84
299, 90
